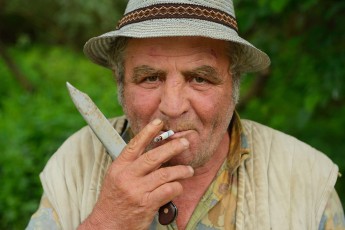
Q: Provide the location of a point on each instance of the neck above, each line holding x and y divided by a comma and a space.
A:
195, 187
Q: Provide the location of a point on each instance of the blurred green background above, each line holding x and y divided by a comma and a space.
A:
302, 93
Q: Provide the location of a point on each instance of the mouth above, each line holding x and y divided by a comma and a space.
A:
180, 129
181, 133
176, 135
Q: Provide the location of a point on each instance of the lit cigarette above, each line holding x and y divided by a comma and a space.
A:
163, 136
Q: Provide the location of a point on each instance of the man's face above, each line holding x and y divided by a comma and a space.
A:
185, 82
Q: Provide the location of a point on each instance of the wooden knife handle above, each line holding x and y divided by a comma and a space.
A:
167, 213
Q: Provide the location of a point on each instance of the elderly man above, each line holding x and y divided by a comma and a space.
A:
177, 66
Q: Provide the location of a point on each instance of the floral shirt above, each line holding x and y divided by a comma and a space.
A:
217, 207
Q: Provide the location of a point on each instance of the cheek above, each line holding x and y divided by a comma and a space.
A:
139, 105
213, 106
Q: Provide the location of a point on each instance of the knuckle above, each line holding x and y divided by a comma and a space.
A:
145, 201
131, 147
120, 180
178, 189
173, 189
169, 190
163, 174
130, 152
122, 184
149, 159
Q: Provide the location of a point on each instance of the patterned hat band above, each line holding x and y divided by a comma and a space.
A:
171, 11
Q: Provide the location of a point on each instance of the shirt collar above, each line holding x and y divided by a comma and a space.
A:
238, 148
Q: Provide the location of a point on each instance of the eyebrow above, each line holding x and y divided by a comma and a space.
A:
143, 71
206, 71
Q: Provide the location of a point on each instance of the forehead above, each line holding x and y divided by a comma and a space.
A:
190, 49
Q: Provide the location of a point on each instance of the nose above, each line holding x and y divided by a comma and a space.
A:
174, 98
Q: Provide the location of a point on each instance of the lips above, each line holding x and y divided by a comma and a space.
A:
181, 129
182, 133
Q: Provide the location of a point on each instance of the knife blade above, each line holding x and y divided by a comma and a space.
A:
100, 125
111, 140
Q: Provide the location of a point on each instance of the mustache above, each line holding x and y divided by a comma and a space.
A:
178, 126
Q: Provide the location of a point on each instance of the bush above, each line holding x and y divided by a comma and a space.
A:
34, 124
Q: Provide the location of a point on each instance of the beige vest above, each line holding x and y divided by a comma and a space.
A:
284, 185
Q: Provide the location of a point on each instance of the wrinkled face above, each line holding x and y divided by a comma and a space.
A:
185, 82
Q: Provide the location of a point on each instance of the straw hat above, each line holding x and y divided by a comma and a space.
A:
165, 18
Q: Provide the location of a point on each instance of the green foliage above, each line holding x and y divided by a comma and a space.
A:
33, 125
58, 21
303, 94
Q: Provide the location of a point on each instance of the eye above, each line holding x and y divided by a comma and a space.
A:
150, 81
199, 80
152, 78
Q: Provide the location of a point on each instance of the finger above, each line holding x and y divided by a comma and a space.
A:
154, 158
166, 175
164, 194
138, 144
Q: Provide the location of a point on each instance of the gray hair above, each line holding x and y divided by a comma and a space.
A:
116, 60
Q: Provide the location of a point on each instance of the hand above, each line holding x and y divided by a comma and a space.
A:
135, 186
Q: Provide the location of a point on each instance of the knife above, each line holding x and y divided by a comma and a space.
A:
105, 132
111, 140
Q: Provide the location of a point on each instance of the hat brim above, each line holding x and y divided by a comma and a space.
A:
96, 49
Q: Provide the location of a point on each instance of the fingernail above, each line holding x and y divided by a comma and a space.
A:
184, 142
156, 121
191, 169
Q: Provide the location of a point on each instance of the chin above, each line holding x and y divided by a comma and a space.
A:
195, 162
179, 160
